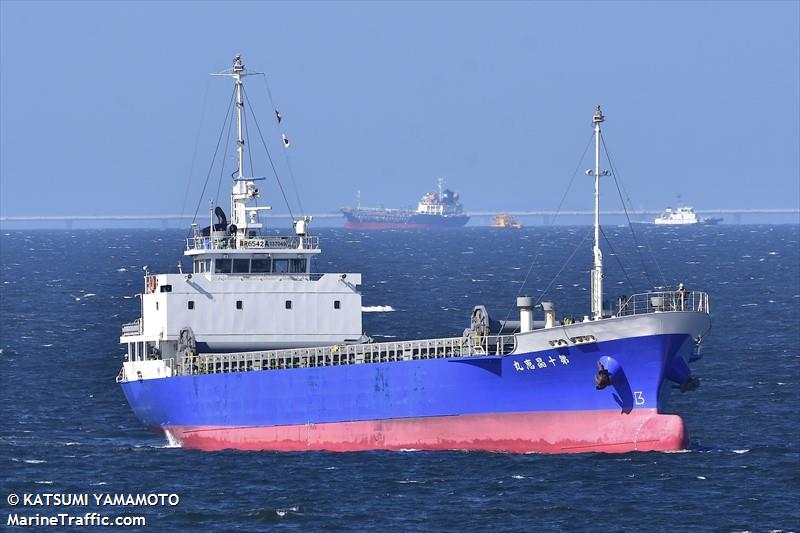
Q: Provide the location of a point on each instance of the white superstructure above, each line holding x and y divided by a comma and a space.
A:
246, 290
679, 216
442, 204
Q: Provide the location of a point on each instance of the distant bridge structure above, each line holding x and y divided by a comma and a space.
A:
545, 215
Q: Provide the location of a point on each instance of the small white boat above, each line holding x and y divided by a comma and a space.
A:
682, 216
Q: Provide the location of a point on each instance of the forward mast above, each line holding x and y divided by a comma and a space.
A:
597, 268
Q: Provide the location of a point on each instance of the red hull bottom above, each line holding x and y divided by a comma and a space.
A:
563, 432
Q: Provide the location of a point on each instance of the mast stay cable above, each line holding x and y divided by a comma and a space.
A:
541, 241
269, 156
196, 144
285, 151
566, 263
620, 190
222, 166
619, 261
214, 158
249, 152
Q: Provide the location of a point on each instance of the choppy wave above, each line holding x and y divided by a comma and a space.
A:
377, 309
65, 401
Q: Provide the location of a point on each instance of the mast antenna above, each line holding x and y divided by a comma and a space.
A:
244, 188
597, 268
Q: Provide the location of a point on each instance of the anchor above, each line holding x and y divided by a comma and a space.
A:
602, 379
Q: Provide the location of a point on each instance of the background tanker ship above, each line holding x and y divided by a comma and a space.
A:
434, 210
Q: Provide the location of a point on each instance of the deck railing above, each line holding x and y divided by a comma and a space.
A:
657, 302
132, 328
253, 243
346, 354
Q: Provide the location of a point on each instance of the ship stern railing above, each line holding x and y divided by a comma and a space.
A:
663, 301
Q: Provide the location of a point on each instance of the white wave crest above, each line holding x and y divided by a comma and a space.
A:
172, 442
377, 309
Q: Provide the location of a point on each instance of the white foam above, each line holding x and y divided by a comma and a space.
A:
701, 477
172, 442
744, 450
44, 482
377, 309
34, 461
123, 269
517, 476
89, 295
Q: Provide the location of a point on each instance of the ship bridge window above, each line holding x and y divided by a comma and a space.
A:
337, 304
260, 266
202, 265
280, 266
166, 288
241, 266
297, 266
222, 266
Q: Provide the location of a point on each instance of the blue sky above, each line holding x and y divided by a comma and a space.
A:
101, 102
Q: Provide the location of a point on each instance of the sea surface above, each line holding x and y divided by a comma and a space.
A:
65, 426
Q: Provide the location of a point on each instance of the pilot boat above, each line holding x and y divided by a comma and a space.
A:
251, 350
504, 220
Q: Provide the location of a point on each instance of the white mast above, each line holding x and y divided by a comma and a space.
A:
244, 188
597, 269
238, 70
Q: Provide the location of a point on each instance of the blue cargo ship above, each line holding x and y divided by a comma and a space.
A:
252, 350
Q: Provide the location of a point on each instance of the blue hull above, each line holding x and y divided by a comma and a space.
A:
556, 380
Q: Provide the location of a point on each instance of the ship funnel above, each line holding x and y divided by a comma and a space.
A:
525, 304
549, 314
